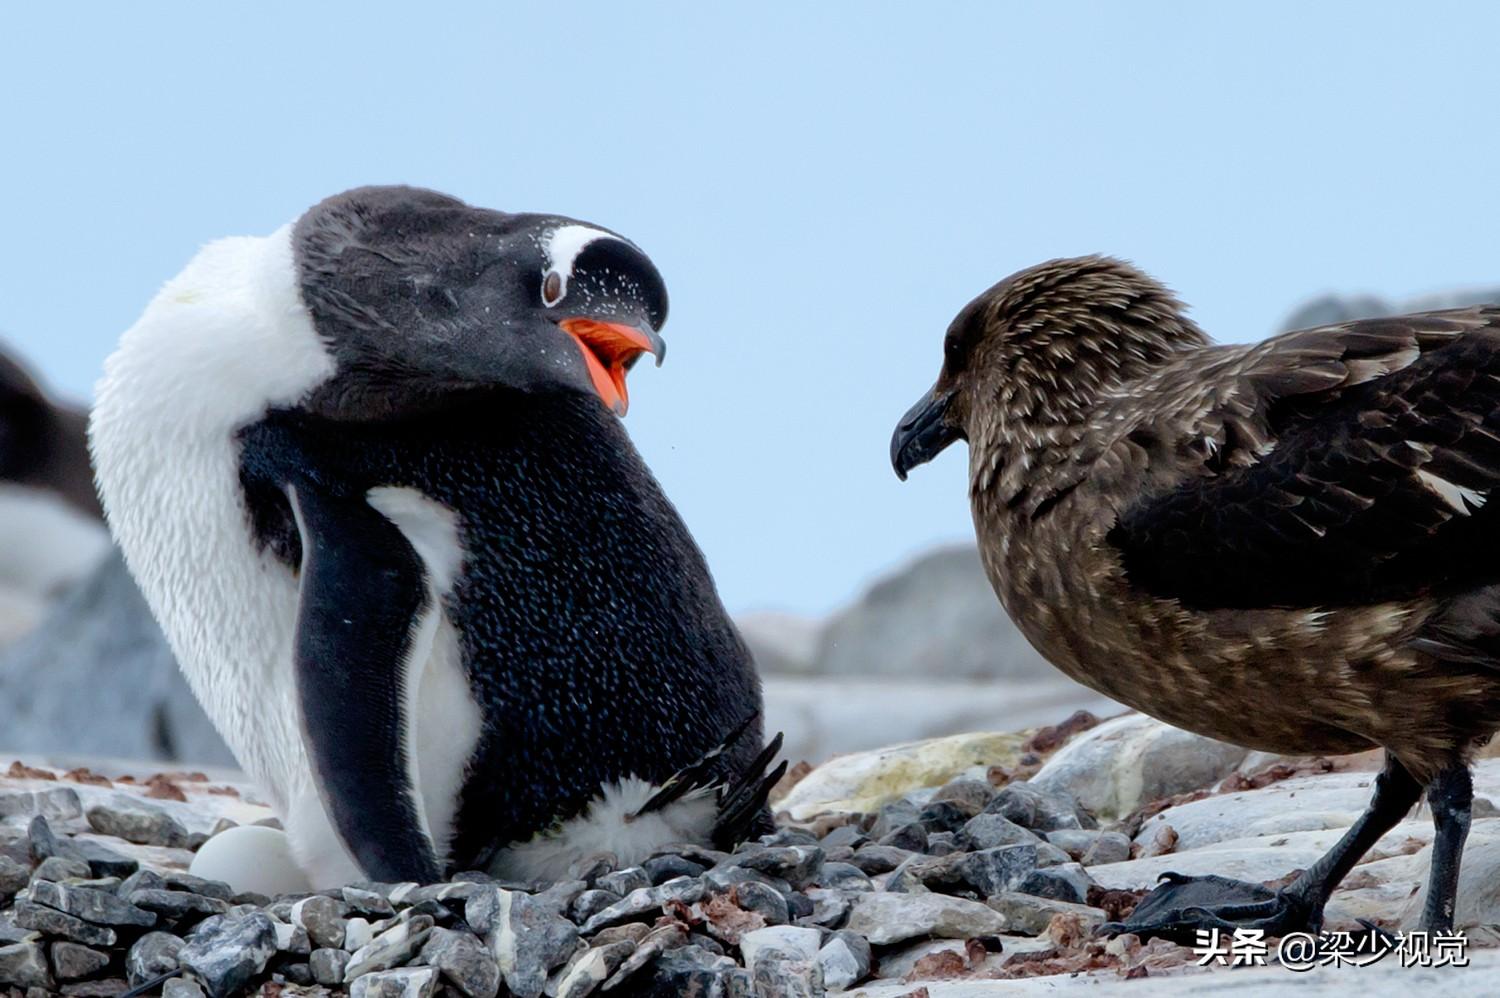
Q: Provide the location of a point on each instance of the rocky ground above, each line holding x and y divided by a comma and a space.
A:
967, 865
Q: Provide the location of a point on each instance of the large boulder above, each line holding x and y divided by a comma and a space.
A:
96, 678
937, 617
864, 781
1131, 760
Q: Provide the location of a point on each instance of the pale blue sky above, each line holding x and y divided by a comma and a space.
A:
822, 185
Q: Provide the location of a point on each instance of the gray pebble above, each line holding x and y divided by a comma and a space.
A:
252, 898
391, 948
407, 982
323, 919
724, 877
624, 881
589, 968
139, 825
590, 903
990, 871
560, 896
531, 939
99, 907
700, 854
796, 864
198, 885
141, 880
230, 955
42, 842
845, 876
463, 961
72, 962
892, 816
695, 970
942, 844
367, 903
789, 837
873, 859
798, 905
13, 877
665, 937
645, 903
1064, 882
946, 815
764, 901
56, 868
152, 955
844, 835
1037, 810
297, 973
974, 794
829, 908
845, 959
782, 975
24, 965
182, 987
911, 836
663, 868
52, 922
328, 966
990, 830
292, 939
102, 860
1109, 847
177, 904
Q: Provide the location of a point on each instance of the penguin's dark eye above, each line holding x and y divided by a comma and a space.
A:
552, 289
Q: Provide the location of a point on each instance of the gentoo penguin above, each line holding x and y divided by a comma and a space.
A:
369, 473
50, 522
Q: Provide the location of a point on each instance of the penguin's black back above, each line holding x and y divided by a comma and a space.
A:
594, 639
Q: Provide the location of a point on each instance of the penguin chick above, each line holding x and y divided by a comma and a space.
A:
369, 475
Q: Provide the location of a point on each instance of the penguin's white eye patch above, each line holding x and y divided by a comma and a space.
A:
552, 288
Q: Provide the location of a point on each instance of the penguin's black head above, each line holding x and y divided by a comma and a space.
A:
422, 299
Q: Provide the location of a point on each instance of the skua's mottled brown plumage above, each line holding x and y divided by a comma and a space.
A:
1286, 545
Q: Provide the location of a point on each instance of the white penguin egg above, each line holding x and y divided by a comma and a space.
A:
251, 858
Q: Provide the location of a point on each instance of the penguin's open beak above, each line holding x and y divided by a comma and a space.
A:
609, 350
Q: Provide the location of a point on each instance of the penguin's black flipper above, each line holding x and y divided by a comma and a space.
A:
362, 592
742, 805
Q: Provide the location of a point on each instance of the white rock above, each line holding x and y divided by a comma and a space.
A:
865, 780
822, 717
1302, 803
1478, 884
251, 858
1131, 760
793, 940
357, 933
886, 918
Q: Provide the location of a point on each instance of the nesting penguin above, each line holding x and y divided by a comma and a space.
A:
369, 474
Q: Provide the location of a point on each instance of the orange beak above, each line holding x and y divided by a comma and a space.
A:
608, 348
